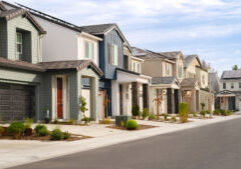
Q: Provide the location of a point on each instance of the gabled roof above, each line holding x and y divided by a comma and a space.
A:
149, 55
231, 74
2, 7
71, 64
163, 80
104, 28
189, 82
20, 65
13, 13
189, 59
172, 55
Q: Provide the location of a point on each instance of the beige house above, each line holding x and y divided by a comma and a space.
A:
164, 87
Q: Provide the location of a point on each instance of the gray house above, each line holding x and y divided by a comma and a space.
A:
229, 96
29, 86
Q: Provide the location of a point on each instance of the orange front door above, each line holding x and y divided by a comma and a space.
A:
60, 97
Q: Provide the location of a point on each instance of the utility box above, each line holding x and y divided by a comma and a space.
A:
121, 120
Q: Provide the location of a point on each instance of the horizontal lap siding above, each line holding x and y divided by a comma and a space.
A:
22, 23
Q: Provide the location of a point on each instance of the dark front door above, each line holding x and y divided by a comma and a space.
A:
17, 102
60, 97
121, 99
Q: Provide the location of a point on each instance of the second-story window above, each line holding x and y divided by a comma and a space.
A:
89, 50
224, 85
180, 71
232, 85
19, 44
203, 79
168, 70
133, 66
240, 85
114, 54
138, 68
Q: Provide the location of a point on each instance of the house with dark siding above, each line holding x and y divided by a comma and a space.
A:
32, 80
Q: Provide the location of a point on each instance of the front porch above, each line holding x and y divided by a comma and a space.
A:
63, 88
226, 100
129, 89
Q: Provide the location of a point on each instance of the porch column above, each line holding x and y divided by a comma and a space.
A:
94, 86
135, 94
145, 96
115, 100
170, 101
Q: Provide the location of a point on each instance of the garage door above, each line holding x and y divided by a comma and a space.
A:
16, 102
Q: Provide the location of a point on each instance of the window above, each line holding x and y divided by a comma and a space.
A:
232, 85
180, 71
89, 50
138, 68
240, 85
224, 85
168, 70
19, 43
114, 54
133, 66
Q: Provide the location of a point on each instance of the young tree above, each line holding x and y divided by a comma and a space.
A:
83, 105
235, 67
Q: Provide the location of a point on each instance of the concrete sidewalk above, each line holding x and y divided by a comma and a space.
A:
21, 152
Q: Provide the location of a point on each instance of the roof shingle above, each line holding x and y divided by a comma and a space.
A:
231, 74
163, 80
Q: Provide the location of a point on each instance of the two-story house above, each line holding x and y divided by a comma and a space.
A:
229, 97
20, 76
68, 58
122, 83
164, 87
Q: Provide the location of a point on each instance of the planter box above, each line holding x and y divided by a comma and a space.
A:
121, 119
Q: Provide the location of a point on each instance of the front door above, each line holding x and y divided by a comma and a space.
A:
60, 98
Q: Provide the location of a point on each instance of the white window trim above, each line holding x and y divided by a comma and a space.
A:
19, 43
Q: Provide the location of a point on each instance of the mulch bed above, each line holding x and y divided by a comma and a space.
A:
140, 127
44, 138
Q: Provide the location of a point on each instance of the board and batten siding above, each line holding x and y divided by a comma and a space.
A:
24, 24
112, 38
3, 39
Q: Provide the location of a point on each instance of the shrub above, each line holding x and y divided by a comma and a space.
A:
202, 105
194, 114
56, 121
152, 117
173, 119
66, 135
216, 112
28, 122
229, 112
145, 113
39, 127
71, 121
86, 120
131, 125
223, 112
183, 112
16, 128
43, 132
208, 112
165, 116
56, 134
203, 113
1, 130
135, 110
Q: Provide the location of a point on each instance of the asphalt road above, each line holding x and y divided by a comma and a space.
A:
217, 146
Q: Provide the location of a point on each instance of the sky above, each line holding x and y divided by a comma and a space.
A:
209, 28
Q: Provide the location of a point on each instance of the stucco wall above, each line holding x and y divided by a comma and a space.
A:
59, 43
156, 68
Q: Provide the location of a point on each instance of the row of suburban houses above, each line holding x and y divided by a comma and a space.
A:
47, 64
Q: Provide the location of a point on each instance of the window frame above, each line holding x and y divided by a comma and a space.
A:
180, 71
19, 43
232, 85
88, 50
168, 70
224, 85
